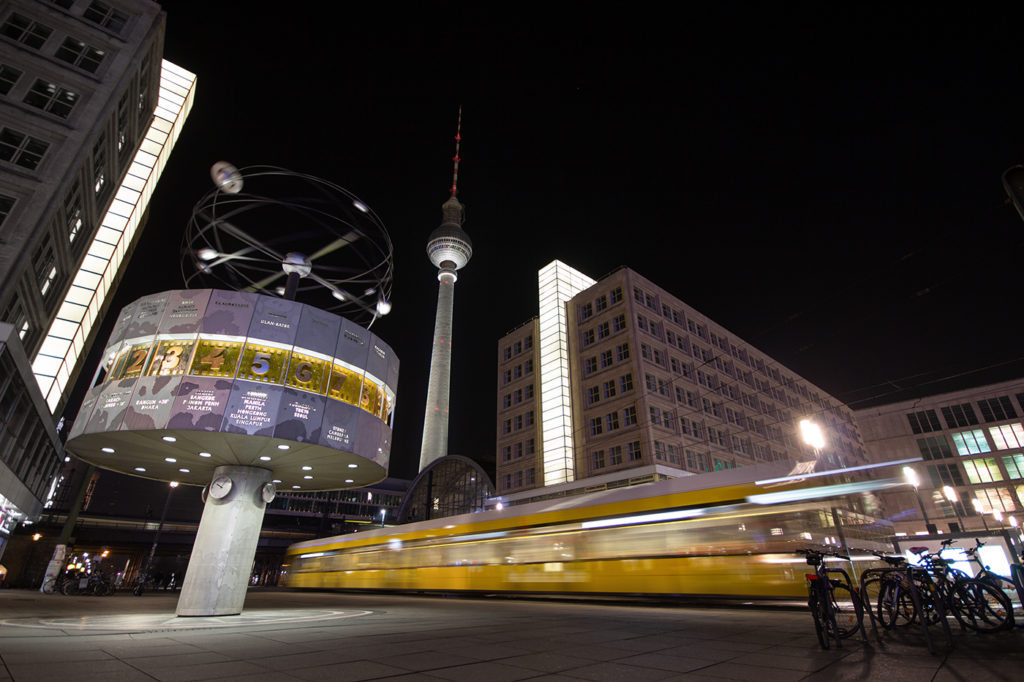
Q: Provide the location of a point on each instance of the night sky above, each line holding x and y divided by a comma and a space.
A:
825, 186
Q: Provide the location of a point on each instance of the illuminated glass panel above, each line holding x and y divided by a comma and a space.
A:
346, 383
307, 372
172, 357
372, 397
263, 362
983, 470
1014, 465
217, 357
1007, 436
130, 362
971, 442
557, 284
996, 498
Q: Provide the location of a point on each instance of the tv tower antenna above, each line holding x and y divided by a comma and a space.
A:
456, 158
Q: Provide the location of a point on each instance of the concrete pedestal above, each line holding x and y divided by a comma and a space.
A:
218, 572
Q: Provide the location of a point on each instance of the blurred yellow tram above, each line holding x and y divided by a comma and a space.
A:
727, 534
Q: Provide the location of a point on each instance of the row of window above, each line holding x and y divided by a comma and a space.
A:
517, 347
517, 396
979, 470
962, 414
517, 423
519, 479
633, 453
610, 422
973, 441
517, 372
606, 359
517, 450
587, 310
602, 330
33, 34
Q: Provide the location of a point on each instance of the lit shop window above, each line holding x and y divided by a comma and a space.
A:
1007, 436
996, 498
971, 442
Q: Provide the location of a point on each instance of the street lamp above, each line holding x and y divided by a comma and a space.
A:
981, 512
382, 513
911, 476
812, 435
152, 550
950, 494
997, 514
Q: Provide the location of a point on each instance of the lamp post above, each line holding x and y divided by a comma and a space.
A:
976, 503
950, 494
163, 516
911, 477
382, 513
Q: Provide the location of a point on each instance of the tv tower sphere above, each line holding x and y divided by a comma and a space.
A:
449, 247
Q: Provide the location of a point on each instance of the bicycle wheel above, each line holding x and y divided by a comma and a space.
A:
49, 586
895, 605
980, 607
815, 606
846, 608
70, 587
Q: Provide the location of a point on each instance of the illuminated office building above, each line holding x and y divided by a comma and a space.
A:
89, 113
970, 442
618, 382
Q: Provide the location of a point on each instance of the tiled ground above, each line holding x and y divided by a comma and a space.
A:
303, 636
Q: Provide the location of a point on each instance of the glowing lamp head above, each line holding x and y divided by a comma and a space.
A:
949, 493
811, 433
911, 477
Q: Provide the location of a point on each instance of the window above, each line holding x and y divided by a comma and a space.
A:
959, 416
663, 387
593, 395
517, 422
106, 16
588, 337
641, 322
606, 359
602, 331
638, 294
530, 446
531, 476
612, 421
528, 342
634, 451
945, 474
25, 31
529, 391
528, 365
517, 450
995, 498
506, 453
997, 409
99, 164
629, 415
517, 396
507, 376
8, 77
616, 294
517, 371
517, 347
696, 461
529, 418
622, 352
615, 455
73, 211
597, 459
982, 470
595, 426
1014, 465
507, 353
6, 204
971, 442
650, 382
601, 303
619, 323
506, 481
626, 382
77, 53
519, 479
51, 98
934, 447
655, 416
1007, 436
45, 264
660, 452
609, 389
586, 310
20, 149
645, 352
924, 421
506, 426
506, 400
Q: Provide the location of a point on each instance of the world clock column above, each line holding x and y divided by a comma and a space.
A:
218, 571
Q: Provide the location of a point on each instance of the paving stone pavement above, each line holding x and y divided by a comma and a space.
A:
287, 635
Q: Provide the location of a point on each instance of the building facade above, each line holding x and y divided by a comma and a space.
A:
89, 113
654, 382
971, 441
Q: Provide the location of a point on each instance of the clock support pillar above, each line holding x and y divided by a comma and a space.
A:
219, 569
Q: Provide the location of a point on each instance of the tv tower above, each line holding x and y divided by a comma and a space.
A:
449, 249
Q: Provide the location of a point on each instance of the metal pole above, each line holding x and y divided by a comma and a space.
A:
920, 503
156, 538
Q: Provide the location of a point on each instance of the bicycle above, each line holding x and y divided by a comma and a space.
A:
1011, 585
976, 605
834, 604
